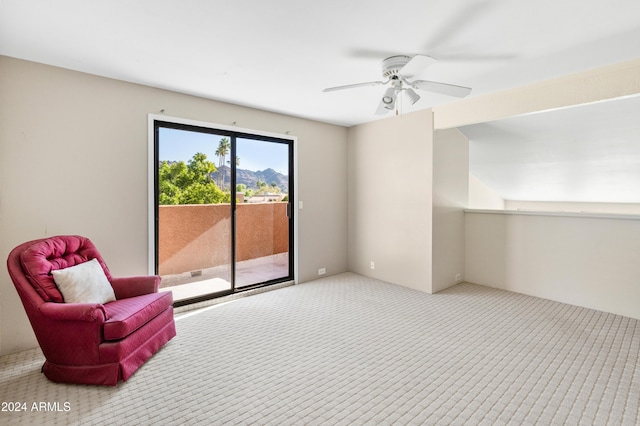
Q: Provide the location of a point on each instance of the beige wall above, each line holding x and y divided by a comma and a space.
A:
553, 206
450, 197
390, 199
73, 159
599, 84
584, 261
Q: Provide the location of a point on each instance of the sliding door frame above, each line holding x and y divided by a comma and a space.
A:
223, 130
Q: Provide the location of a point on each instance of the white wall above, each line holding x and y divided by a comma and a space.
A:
390, 199
482, 197
450, 195
585, 261
73, 159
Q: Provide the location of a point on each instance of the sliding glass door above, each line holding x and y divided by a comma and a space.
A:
262, 211
223, 216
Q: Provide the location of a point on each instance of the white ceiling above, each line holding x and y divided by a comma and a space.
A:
278, 55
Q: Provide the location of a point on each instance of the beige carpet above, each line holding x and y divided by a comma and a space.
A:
351, 350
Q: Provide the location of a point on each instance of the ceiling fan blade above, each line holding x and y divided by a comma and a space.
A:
416, 65
445, 40
442, 88
371, 53
444, 57
476, 58
465, 16
351, 86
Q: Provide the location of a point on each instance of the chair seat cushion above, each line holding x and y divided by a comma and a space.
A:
125, 316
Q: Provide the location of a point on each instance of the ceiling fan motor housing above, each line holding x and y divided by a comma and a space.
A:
391, 66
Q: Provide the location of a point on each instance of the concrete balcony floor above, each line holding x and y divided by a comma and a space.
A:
217, 279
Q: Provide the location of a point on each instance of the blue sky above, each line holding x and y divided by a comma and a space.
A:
180, 145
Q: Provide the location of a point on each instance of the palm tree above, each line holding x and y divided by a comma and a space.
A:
237, 164
237, 161
223, 149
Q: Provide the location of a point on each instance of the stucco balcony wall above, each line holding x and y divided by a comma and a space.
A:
196, 237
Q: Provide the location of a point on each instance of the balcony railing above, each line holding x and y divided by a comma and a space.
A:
195, 240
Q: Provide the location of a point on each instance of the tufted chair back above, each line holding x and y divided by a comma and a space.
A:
56, 253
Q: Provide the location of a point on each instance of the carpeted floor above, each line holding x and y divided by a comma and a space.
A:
352, 350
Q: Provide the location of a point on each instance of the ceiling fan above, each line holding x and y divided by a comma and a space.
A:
398, 71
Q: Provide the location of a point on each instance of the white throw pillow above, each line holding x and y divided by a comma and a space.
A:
84, 283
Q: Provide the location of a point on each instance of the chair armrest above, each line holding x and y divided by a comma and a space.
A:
126, 287
73, 311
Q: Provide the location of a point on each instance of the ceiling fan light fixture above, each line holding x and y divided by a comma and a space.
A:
389, 98
413, 96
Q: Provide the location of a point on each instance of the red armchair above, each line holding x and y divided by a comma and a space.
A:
89, 343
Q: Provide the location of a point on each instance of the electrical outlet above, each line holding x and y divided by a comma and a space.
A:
373, 265
458, 277
322, 271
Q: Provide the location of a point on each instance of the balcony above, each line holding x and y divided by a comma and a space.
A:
195, 246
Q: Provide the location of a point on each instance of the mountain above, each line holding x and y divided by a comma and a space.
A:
250, 178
